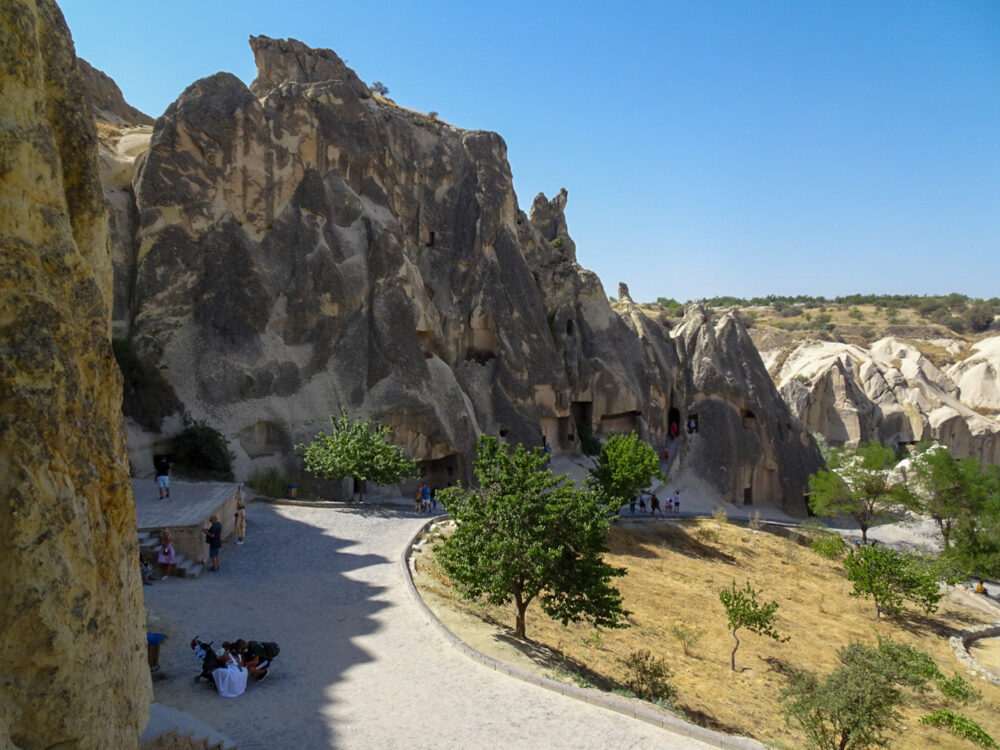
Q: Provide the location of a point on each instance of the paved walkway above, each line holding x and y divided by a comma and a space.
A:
360, 665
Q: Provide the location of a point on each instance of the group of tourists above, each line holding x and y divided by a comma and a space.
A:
673, 503
167, 556
231, 665
424, 499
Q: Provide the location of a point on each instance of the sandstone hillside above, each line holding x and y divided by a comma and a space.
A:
302, 245
897, 377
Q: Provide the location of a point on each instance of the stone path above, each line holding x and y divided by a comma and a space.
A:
360, 666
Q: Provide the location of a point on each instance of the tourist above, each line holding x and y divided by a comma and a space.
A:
168, 555
642, 502
692, 426
231, 678
162, 475
677, 501
213, 535
670, 504
240, 522
257, 656
146, 570
655, 506
631, 505
673, 430
425, 497
417, 498
666, 454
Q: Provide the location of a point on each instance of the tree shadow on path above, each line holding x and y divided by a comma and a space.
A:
294, 583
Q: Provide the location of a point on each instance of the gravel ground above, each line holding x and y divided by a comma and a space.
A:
360, 665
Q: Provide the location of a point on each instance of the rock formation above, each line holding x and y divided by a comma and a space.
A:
892, 393
72, 623
304, 246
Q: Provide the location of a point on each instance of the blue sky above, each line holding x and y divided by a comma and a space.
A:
708, 147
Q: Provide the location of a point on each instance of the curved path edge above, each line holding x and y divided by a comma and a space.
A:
664, 721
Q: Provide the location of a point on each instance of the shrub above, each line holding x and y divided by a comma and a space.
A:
648, 676
270, 482
201, 448
829, 544
978, 317
688, 637
705, 534
959, 725
958, 689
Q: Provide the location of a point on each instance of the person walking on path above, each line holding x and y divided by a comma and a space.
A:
167, 554
425, 497
162, 475
213, 534
655, 506
240, 522
631, 505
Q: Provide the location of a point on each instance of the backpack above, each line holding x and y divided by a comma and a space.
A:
271, 649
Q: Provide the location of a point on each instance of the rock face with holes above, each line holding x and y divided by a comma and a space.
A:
892, 393
72, 621
305, 246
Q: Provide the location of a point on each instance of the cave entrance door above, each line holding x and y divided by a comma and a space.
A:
673, 418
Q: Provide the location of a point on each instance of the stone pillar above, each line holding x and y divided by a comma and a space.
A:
72, 647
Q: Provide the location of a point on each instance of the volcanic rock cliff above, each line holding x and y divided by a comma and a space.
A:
303, 246
71, 623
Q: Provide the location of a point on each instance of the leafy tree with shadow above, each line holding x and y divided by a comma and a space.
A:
358, 451
526, 534
744, 611
889, 577
855, 706
625, 466
858, 485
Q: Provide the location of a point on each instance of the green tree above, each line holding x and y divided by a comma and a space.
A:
380, 88
526, 534
356, 450
946, 489
857, 485
625, 466
744, 611
889, 577
975, 538
854, 707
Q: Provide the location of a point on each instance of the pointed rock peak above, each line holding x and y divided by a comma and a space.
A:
623, 295
106, 98
283, 60
549, 216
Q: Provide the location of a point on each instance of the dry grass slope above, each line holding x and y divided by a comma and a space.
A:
675, 574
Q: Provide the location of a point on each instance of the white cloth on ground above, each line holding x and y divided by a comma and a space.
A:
230, 680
